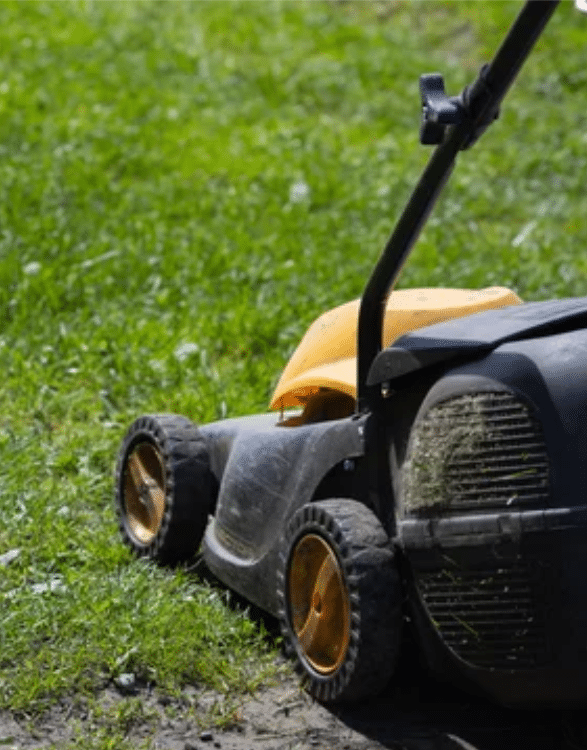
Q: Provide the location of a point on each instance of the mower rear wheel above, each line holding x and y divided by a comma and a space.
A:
339, 598
164, 488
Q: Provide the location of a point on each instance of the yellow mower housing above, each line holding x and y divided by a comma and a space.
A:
326, 357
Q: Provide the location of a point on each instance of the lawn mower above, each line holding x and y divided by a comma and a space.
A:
426, 462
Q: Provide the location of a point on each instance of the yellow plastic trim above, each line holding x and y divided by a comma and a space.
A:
326, 355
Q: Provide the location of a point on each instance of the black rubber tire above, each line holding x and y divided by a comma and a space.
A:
176, 456
371, 579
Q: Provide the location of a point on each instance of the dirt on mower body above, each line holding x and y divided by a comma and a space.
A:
433, 472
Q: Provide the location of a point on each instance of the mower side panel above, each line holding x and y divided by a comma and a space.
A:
269, 472
221, 435
498, 593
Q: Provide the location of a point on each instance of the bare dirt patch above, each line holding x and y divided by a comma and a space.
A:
415, 713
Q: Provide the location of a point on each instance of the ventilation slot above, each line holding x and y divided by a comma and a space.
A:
479, 451
491, 618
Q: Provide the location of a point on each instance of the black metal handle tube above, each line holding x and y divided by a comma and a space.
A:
482, 100
517, 45
374, 299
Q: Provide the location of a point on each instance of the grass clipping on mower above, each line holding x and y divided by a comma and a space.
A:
451, 433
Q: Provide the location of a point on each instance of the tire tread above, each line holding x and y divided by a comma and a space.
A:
189, 493
374, 590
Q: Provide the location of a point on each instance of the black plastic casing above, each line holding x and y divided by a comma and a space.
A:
265, 472
497, 593
503, 583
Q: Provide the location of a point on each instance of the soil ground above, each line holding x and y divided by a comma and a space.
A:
415, 713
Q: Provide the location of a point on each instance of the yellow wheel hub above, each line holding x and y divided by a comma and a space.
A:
144, 492
319, 604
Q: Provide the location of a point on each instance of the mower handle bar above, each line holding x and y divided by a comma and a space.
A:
479, 107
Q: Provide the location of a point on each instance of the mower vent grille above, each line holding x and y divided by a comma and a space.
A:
491, 618
476, 451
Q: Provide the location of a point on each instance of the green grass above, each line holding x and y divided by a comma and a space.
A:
149, 157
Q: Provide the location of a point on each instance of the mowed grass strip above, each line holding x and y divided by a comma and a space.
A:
216, 175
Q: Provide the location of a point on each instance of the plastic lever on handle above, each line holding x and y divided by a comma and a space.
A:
438, 110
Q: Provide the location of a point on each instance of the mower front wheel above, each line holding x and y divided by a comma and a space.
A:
339, 600
164, 488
